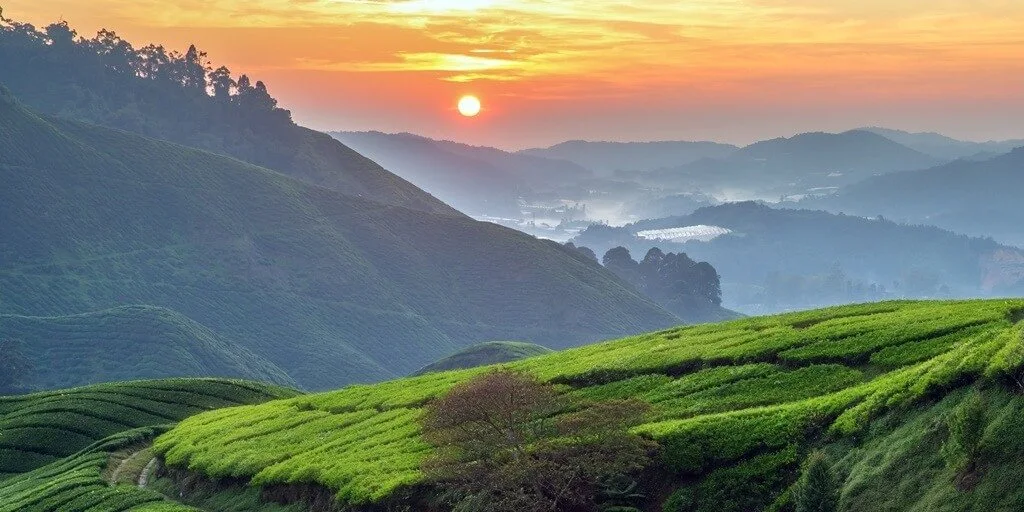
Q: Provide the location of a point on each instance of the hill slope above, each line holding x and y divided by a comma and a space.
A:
132, 342
774, 258
796, 166
608, 157
106, 81
978, 198
55, 446
736, 408
331, 288
947, 148
483, 354
476, 180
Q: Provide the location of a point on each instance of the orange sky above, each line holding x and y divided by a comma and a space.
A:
549, 70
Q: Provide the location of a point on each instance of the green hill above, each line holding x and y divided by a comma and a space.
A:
736, 408
42, 428
132, 342
483, 354
330, 288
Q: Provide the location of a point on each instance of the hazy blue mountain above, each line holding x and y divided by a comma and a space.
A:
477, 180
608, 157
774, 259
805, 164
947, 148
979, 198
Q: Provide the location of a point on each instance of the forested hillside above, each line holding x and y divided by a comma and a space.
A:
166, 94
330, 288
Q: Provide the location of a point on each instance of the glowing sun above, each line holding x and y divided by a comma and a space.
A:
469, 106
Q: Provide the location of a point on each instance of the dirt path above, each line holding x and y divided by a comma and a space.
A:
124, 472
146, 471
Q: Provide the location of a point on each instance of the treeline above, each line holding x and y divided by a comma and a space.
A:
150, 90
673, 280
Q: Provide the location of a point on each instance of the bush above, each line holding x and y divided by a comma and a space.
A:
966, 427
817, 490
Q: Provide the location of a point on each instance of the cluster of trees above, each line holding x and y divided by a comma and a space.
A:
506, 442
151, 90
667, 277
674, 280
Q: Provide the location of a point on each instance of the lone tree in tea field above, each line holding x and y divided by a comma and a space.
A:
507, 442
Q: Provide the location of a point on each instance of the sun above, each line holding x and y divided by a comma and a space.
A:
469, 105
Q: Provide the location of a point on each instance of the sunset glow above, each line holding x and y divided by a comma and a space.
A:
718, 69
469, 106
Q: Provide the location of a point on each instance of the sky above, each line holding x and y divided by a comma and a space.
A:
551, 70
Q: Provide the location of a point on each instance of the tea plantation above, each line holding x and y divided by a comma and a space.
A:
737, 407
55, 445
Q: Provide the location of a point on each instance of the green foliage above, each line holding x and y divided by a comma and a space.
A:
817, 490
252, 260
133, 342
966, 427
722, 395
41, 428
749, 485
80, 429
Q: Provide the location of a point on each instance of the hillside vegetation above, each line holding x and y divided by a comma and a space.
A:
41, 428
736, 407
483, 354
355, 289
130, 342
166, 94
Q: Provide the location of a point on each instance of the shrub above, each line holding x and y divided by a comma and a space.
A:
817, 490
966, 427
504, 443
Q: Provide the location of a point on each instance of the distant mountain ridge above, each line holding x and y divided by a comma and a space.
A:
330, 288
981, 198
474, 179
607, 157
942, 146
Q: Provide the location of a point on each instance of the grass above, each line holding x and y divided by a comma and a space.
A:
483, 354
358, 291
59, 447
41, 428
739, 401
132, 342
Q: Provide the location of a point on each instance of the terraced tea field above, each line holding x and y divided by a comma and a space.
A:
55, 445
751, 395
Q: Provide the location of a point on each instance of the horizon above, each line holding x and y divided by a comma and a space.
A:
753, 70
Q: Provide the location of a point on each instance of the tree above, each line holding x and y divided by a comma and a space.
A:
817, 490
222, 83
14, 366
504, 442
194, 68
966, 427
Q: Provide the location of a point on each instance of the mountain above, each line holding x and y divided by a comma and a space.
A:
330, 288
164, 95
476, 180
946, 148
63, 450
130, 342
774, 259
805, 164
736, 409
608, 157
484, 354
978, 198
